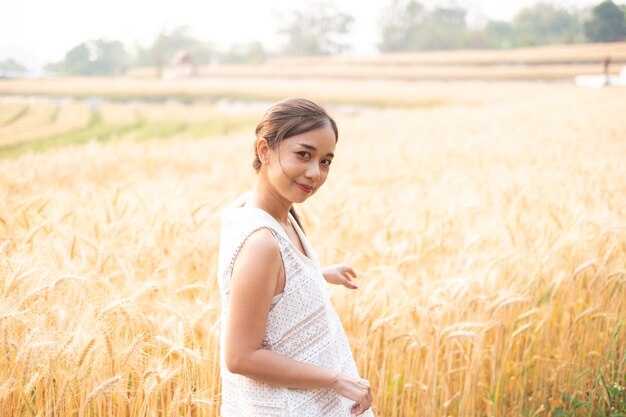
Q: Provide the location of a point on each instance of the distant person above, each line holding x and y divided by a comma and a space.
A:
283, 350
606, 63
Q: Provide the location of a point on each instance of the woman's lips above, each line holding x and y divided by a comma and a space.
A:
304, 188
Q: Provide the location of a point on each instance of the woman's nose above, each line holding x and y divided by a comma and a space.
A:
313, 171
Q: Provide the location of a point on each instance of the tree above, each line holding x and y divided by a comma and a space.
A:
400, 24
442, 28
168, 43
498, 34
11, 66
250, 53
543, 24
606, 23
96, 57
318, 30
408, 26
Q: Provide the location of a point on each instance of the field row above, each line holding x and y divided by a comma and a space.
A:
322, 70
539, 55
39, 124
351, 92
539, 63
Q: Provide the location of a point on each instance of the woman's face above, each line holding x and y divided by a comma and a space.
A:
299, 165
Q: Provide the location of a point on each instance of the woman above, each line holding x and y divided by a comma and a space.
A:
283, 349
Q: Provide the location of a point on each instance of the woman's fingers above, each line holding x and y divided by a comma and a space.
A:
366, 401
349, 284
357, 409
348, 271
355, 389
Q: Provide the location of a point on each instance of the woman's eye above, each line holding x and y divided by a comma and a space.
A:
326, 162
304, 154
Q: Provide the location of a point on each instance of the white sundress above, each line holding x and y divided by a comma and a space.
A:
302, 325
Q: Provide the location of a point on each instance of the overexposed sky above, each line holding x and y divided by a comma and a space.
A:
35, 32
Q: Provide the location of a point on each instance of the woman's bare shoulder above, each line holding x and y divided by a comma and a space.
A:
260, 249
262, 239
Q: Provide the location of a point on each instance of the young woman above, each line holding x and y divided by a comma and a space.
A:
283, 351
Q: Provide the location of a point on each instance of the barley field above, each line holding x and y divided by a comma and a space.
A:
488, 230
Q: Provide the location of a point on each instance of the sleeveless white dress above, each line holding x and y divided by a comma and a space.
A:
302, 325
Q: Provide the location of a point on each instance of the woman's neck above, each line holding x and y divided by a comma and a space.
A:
266, 198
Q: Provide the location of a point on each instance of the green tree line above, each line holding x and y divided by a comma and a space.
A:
321, 29
409, 26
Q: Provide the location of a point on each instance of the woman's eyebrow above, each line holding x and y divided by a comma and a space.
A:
313, 148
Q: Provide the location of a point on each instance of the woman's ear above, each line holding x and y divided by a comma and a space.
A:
263, 150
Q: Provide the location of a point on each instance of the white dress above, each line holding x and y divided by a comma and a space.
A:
302, 325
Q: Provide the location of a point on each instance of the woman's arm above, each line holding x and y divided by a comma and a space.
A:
254, 281
340, 274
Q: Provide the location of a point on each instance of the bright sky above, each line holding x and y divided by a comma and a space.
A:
35, 32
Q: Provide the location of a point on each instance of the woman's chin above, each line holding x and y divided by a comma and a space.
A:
300, 199
299, 195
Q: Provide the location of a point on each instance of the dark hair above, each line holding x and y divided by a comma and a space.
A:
287, 118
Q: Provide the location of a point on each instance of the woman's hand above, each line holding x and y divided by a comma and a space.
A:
340, 274
356, 389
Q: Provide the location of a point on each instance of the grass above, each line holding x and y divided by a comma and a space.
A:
94, 130
141, 129
18, 115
